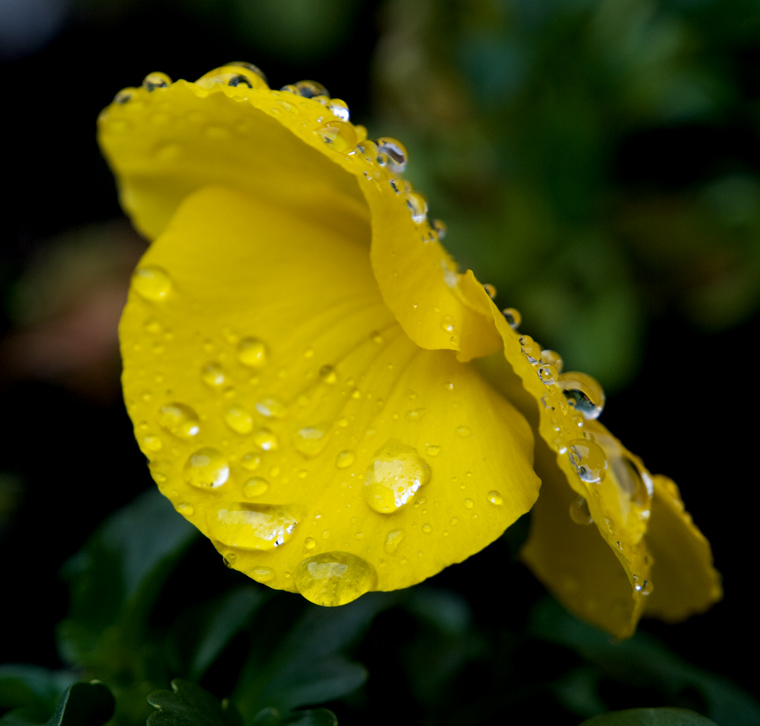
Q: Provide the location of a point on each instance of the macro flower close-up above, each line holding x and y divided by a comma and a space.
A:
324, 394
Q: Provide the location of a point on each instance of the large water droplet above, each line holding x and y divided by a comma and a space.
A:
393, 477
239, 420
396, 153
552, 358
589, 459
234, 74
583, 393
547, 373
252, 352
334, 578
530, 349
307, 89
207, 468
255, 487
250, 526
339, 135
179, 419
418, 206
151, 283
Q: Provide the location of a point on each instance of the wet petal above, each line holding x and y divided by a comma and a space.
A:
287, 415
292, 151
686, 581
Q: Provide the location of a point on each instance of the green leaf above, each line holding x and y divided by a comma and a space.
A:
24, 685
115, 580
650, 717
187, 704
82, 704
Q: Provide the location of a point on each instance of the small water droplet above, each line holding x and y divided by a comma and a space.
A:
589, 460
495, 497
490, 290
186, 510
239, 419
309, 543
307, 89
583, 393
393, 540
265, 439
396, 153
579, 511
156, 80
440, 228
179, 419
262, 574
151, 283
255, 487
328, 375
252, 352
463, 432
271, 408
207, 468
551, 357
334, 578
152, 443
416, 414
345, 458
547, 373
642, 586
212, 375
433, 450
418, 206
427, 528
447, 323
375, 337
393, 477
513, 317
530, 349
250, 526
311, 440
250, 461
469, 503
124, 96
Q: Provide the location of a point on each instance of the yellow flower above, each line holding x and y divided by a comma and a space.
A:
323, 394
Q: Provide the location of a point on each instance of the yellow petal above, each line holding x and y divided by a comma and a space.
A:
686, 582
289, 417
291, 151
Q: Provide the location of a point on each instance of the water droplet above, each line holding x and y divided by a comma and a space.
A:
579, 511
186, 510
239, 420
234, 74
328, 375
334, 578
530, 349
393, 477
152, 443
427, 528
151, 283
495, 497
589, 459
271, 408
207, 468
463, 432
255, 487
551, 357
250, 461
339, 135
469, 503
250, 526
393, 540
262, 574
344, 459
156, 80
513, 318
396, 153
375, 337
447, 323
433, 450
265, 439
418, 206
416, 414
212, 375
440, 228
642, 586
547, 373
252, 352
311, 440
583, 393
310, 543
490, 290
179, 419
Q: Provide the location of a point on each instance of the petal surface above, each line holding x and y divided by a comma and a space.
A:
291, 151
286, 413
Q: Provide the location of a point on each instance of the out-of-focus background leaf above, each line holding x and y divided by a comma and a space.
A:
598, 161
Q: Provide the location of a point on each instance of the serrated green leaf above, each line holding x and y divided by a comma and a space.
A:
650, 717
187, 704
82, 704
